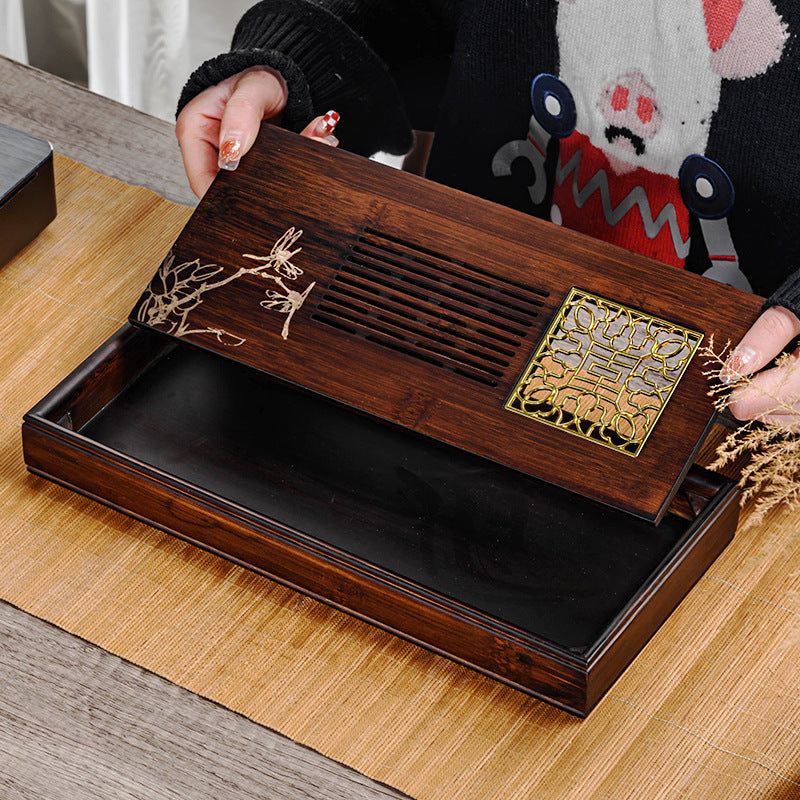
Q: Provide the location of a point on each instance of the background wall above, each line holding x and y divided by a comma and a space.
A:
138, 52
12, 30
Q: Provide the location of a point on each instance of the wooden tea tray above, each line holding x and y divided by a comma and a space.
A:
275, 417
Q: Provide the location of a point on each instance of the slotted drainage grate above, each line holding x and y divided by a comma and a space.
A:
429, 306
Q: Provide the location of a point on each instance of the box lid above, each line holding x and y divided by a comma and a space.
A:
21, 154
550, 352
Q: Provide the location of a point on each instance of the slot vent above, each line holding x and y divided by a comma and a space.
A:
429, 306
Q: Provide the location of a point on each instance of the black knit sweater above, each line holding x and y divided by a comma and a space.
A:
464, 68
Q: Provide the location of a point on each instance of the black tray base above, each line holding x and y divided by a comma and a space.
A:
561, 577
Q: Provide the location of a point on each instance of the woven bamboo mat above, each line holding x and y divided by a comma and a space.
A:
710, 708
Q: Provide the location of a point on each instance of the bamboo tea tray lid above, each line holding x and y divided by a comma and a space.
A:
555, 354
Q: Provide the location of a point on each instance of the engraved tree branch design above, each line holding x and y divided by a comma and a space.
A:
176, 291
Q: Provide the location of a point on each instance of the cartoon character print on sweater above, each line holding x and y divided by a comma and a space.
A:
633, 120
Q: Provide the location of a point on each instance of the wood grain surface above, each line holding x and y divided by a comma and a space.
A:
709, 709
110, 137
423, 305
78, 722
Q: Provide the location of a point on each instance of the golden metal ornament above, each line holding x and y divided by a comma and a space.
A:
604, 371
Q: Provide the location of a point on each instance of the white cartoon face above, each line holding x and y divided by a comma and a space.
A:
646, 74
633, 116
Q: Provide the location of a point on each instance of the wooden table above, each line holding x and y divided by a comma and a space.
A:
133, 147
107, 136
710, 707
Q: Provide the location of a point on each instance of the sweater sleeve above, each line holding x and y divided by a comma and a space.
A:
787, 294
342, 55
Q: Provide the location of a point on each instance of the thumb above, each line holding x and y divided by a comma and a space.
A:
257, 94
767, 337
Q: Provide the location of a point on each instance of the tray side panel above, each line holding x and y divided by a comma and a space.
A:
651, 609
404, 610
100, 378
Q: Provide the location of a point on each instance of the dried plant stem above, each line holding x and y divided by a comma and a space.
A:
770, 452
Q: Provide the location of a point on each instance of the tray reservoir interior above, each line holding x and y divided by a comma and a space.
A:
531, 555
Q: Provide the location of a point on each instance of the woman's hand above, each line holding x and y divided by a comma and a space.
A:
216, 128
773, 395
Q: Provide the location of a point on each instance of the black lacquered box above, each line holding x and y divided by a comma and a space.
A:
27, 190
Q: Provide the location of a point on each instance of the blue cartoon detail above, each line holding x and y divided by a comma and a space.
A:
553, 105
706, 188
553, 116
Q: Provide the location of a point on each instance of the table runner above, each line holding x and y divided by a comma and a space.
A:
710, 708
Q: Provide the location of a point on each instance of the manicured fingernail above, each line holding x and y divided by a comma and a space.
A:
230, 152
738, 364
331, 140
326, 125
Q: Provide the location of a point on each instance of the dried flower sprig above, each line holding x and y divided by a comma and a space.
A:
770, 453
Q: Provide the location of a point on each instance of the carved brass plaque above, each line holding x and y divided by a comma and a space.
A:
604, 372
